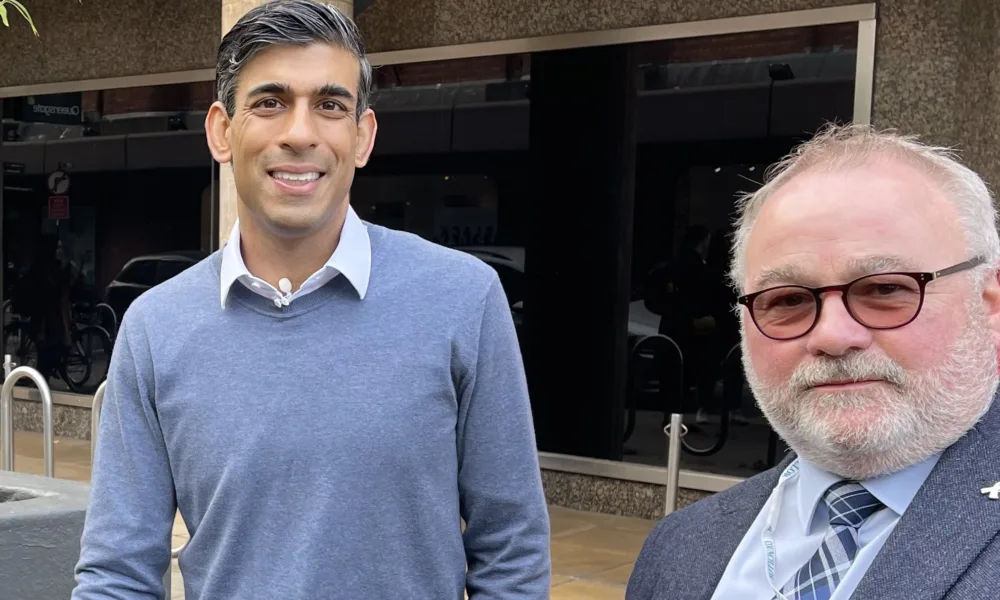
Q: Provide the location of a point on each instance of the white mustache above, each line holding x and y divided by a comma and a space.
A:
852, 367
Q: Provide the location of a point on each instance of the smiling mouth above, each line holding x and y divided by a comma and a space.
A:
296, 179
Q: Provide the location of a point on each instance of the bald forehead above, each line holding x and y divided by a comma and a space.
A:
876, 216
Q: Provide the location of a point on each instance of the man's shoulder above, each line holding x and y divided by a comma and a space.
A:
180, 294
691, 546
409, 255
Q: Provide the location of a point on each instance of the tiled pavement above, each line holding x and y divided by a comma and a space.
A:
592, 554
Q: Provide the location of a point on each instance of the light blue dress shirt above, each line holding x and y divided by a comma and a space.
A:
802, 523
352, 259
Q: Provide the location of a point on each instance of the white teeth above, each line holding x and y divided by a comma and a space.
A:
295, 176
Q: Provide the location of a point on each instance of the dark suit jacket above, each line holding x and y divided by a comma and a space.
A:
945, 547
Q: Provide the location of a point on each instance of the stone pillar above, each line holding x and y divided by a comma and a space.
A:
232, 10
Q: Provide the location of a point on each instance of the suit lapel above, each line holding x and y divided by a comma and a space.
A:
948, 524
736, 513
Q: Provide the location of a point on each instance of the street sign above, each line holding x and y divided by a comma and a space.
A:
58, 182
58, 208
62, 109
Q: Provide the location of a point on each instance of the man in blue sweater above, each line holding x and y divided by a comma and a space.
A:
325, 400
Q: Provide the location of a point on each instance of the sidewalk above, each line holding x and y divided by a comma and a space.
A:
592, 554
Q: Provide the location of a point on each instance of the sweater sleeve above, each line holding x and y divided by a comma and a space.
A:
125, 548
502, 502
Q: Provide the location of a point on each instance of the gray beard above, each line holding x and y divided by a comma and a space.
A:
915, 415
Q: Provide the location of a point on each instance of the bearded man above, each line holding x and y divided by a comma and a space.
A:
870, 313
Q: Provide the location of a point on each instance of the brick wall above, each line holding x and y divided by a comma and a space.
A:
157, 98
453, 71
751, 45
722, 47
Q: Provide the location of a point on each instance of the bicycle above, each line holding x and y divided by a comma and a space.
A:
83, 365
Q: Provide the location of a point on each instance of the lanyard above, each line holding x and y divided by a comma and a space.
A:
767, 536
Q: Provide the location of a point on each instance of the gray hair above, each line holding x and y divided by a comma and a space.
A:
291, 23
841, 146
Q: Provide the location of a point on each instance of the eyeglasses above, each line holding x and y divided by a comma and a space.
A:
880, 301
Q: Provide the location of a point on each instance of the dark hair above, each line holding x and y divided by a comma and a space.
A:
288, 23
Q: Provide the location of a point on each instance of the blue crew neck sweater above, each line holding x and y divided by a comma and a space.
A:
327, 449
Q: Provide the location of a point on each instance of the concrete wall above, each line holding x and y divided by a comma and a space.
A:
937, 70
41, 521
95, 39
67, 421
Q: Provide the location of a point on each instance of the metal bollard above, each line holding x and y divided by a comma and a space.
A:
675, 431
7, 419
95, 418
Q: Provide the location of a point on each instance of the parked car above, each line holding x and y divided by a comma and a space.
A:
142, 273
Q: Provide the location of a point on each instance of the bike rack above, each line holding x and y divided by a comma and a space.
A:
660, 346
12, 376
95, 428
114, 318
675, 431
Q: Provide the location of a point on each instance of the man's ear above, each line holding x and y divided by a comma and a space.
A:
991, 302
217, 125
367, 128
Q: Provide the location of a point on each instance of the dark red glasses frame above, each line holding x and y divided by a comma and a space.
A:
922, 279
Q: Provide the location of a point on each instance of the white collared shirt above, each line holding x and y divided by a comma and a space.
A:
352, 259
802, 524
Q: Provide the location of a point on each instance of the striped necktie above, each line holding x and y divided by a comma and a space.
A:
850, 505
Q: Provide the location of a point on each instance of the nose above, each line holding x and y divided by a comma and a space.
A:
299, 133
837, 333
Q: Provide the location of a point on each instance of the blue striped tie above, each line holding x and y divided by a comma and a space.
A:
850, 504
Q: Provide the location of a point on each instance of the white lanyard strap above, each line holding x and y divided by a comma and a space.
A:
767, 536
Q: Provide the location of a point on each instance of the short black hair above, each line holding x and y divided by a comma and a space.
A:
293, 23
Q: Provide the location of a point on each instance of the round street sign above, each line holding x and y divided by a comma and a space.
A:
58, 182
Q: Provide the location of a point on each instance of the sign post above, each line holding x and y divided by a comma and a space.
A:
58, 184
58, 208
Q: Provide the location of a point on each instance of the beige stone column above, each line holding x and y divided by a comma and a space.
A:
232, 10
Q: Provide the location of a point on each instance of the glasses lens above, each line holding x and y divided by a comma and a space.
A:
884, 301
785, 312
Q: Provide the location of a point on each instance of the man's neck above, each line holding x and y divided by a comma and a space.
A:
272, 258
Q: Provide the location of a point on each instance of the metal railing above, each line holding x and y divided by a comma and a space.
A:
95, 428
11, 376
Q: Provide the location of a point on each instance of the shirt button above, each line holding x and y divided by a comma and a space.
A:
277, 303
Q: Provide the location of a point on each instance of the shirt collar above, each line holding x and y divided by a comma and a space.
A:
895, 490
352, 258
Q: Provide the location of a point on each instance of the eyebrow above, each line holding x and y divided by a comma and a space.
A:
330, 90
856, 267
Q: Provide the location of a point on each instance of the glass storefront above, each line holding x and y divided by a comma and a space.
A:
105, 194
605, 203
599, 182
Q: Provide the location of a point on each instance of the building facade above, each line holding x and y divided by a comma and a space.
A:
920, 66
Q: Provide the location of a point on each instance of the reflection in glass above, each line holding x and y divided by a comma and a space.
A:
105, 194
457, 162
